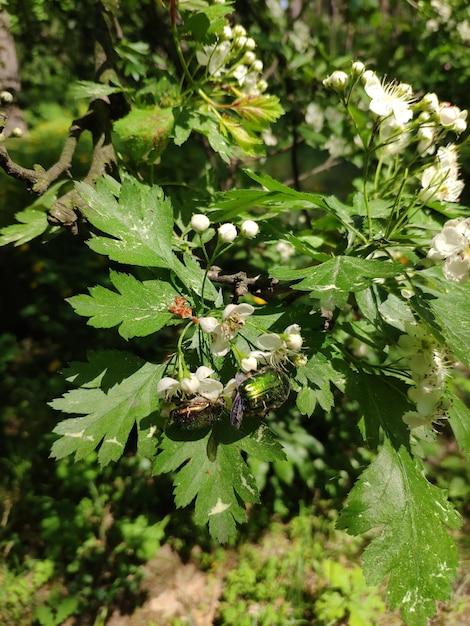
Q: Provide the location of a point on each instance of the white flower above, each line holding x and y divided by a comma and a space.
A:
314, 116
452, 118
198, 383
337, 81
233, 318
277, 348
426, 135
430, 102
285, 250
464, 31
440, 181
393, 136
249, 229
227, 232
214, 57
293, 338
388, 98
200, 222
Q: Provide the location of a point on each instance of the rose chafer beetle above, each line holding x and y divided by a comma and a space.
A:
196, 413
258, 394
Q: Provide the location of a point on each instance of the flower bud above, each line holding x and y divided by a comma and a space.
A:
239, 31
337, 81
357, 68
17, 132
257, 66
250, 43
227, 232
249, 229
249, 57
6, 97
249, 364
200, 223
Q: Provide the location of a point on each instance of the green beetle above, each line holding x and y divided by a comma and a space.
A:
196, 413
258, 394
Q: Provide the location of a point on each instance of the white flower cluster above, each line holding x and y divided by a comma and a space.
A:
274, 348
452, 245
441, 181
199, 382
450, 15
233, 56
429, 363
404, 120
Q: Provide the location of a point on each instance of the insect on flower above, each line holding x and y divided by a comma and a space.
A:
258, 394
196, 413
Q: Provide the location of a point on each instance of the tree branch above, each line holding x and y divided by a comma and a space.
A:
242, 284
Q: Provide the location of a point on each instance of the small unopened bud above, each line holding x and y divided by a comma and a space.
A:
16, 132
239, 31
249, 229
357, 68
227, 232
6, 97
250, 43
249, 364
257, 66
200, 223
337, 81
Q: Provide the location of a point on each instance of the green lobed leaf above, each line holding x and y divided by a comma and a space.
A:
88, 89
212, 471
445, 304
259, 110
140, 308
144, 133
333, 280
459, 419
140, 225
315, 378
32, 223
108, 417
414, 548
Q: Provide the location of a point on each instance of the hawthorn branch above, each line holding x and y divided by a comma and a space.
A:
261, 286
97, 120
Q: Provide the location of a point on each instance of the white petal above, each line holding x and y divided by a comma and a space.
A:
270, 341
190, 385
208, 324
203, 372
249, 364
167, 384
210, 389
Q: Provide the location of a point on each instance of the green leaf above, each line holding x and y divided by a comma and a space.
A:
140, 308
459, 419
258, 110
32, 224
306, 401
144, 133
212, 471
108, 416
382, 401
333, 280
88, 89
414, 548
140, 224
445, 304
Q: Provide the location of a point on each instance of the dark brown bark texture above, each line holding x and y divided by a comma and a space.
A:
9, 77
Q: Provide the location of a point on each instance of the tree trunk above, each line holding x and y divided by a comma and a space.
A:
9, 77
